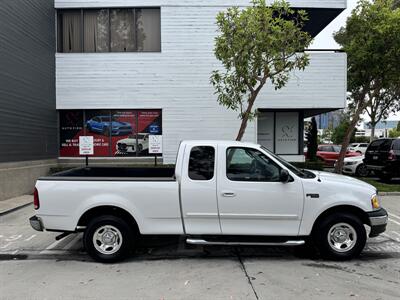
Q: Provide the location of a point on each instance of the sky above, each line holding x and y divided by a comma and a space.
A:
324, 40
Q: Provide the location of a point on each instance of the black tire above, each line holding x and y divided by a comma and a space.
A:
362, 171
324, 240
122, 233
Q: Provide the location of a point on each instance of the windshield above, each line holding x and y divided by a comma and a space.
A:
298, 172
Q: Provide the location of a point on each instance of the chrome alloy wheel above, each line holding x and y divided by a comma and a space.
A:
342, 237
107, 239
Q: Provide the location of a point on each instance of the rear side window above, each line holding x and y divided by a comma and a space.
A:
381, 145
363, 145
201, 163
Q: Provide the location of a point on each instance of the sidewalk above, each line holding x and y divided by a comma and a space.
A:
12, 204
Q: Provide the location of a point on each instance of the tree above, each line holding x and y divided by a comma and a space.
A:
371, 40
398, 123
312, 140
340, 131
388, 101
257, 45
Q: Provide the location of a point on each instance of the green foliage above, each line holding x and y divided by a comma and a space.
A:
339, 132
394, 133
371, 40
361, 139
257, 45
312, 140
326, 135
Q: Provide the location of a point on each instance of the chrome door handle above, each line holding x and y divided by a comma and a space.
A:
228, 194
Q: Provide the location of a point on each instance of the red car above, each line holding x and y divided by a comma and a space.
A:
330, 153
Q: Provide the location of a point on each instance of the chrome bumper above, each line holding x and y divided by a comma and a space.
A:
36, 223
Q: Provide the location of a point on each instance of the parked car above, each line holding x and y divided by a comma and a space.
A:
102, 124
128, 145
330, 153
383, 157
358, 147
220, 193
355, 166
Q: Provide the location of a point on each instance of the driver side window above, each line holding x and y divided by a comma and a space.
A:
247, 164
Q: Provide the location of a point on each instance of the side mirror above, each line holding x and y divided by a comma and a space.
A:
284, 176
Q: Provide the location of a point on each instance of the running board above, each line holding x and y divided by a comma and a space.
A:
204, 242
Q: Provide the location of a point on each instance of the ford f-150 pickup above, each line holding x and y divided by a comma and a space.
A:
220, 193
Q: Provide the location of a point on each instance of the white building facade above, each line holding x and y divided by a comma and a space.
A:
138, 68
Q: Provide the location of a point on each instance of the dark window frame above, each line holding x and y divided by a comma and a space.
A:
59, 26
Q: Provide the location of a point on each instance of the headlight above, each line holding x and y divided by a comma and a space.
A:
375, 202
349, 163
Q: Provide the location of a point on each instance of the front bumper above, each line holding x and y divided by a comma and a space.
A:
378, 220
36, 223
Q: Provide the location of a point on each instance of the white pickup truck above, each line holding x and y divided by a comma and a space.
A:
220, 193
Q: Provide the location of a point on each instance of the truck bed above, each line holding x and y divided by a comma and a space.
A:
115, 174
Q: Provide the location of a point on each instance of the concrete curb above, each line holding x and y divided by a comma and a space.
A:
389, 193
3, 213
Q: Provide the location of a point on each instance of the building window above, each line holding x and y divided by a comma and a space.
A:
109, 30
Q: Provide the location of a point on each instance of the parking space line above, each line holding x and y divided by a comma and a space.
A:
50, 247
390, 237
394, 216
5, 246
395, 222
29, 238
72, 242
395, 232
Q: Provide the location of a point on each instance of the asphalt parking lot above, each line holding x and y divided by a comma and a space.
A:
35, 266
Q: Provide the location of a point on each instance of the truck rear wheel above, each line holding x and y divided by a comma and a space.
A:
340, 236
108, 238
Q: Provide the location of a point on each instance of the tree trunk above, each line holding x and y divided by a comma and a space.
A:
372, 132
347, 137
246, 116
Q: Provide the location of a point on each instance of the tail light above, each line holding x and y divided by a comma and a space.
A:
36, 203
391, 156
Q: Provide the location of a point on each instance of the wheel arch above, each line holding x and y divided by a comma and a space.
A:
342, 209
108, 210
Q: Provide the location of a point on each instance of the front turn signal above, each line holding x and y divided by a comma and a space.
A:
375, 202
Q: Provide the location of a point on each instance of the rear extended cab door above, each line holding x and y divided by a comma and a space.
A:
198, 187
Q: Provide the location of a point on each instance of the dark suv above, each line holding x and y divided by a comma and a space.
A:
383, 157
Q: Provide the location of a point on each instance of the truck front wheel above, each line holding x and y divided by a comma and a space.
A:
108, 238
340, 236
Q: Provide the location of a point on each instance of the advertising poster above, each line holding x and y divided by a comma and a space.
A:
149, 123
98, 124
71, 128
123, 138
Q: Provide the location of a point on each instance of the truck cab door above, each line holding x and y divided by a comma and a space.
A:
252, 200
198, 190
